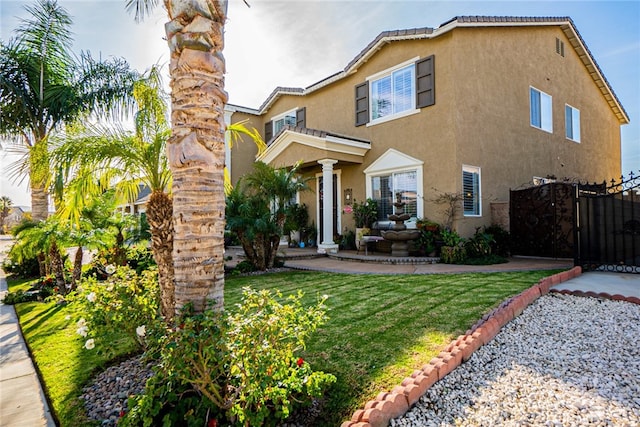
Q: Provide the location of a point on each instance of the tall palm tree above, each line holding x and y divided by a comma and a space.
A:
133, 160
42, 87
195, 34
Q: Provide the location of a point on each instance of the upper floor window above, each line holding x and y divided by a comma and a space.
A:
540, 110
288, 118
396, 92
393, 93
572, 123
471, 190
292, 118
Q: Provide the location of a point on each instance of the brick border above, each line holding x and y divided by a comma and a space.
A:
388, 405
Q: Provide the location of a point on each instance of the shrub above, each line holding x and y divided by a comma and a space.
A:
125, 302
140, 258
25, 268
244, 365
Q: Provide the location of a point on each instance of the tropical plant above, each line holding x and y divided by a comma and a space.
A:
42, 87
256, 210
365, 213
5, 209
39, 238
135, 160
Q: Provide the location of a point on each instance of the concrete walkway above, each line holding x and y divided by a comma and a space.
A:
22, 401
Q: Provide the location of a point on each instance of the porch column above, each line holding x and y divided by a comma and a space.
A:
327, 245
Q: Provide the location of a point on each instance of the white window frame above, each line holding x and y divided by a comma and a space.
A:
274, 119
389, 73
478, 199
572, 131
545, 115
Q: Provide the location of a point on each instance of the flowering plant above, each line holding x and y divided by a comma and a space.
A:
124, 302
251, 374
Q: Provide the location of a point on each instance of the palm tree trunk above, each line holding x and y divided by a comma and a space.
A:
77, 268
39, 203
196, 149
57, 267
160, 217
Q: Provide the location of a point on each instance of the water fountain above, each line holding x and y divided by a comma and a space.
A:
399, 234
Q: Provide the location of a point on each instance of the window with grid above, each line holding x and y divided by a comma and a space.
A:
385, 190
471, 190
393, 93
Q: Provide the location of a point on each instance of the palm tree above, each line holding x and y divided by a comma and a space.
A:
43, 237
134, 160
42, 87
256, 210
195, 34
5, 208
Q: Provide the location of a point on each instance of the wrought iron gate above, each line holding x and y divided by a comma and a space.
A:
541, 220
607, 231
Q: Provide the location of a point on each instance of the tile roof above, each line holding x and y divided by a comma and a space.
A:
317, 133
565, 22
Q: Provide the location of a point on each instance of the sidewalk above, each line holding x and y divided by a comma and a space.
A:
22, 401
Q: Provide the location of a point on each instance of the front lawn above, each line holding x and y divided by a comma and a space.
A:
380, 329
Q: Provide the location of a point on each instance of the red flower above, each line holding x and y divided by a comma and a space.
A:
300, 361
212, 423
121, 413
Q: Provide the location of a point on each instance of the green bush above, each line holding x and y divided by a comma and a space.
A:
25, 268
125, 302
140, 257
243, 365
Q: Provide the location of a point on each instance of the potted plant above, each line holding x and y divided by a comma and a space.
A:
364, 214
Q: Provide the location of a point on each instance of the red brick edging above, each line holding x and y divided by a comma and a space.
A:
388, 405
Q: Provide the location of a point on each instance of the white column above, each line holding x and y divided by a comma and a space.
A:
327, 244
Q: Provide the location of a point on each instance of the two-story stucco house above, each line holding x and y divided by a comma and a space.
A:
474, 107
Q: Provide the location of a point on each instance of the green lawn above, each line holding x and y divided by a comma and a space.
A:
380, 329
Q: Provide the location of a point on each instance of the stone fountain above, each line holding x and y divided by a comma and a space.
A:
399, 234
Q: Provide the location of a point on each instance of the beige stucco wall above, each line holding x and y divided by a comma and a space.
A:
480, 118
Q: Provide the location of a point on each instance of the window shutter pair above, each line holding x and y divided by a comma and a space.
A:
425, 86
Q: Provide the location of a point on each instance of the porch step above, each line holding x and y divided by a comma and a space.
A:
383, 258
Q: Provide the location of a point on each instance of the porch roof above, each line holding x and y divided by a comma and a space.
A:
294, 143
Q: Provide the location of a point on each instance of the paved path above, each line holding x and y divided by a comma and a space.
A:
22, 401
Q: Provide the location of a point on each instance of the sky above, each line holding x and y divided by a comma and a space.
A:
296, 43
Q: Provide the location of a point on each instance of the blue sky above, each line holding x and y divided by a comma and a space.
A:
298, 42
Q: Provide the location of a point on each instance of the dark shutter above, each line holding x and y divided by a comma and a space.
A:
425, 82
301, 117
362, 104
268, 131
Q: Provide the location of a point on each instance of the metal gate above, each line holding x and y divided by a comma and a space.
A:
541, 220
607, 231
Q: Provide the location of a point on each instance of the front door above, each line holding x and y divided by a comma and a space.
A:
321, 209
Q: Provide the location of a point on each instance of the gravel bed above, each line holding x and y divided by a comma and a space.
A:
566, 361
106, 397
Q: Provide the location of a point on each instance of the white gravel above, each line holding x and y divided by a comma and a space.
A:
566, 361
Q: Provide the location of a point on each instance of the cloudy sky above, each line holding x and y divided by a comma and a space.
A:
296, 43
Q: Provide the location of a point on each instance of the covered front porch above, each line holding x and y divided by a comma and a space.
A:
322, 157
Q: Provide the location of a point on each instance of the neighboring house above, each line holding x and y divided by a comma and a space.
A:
139, 206
15, 217
475, 107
